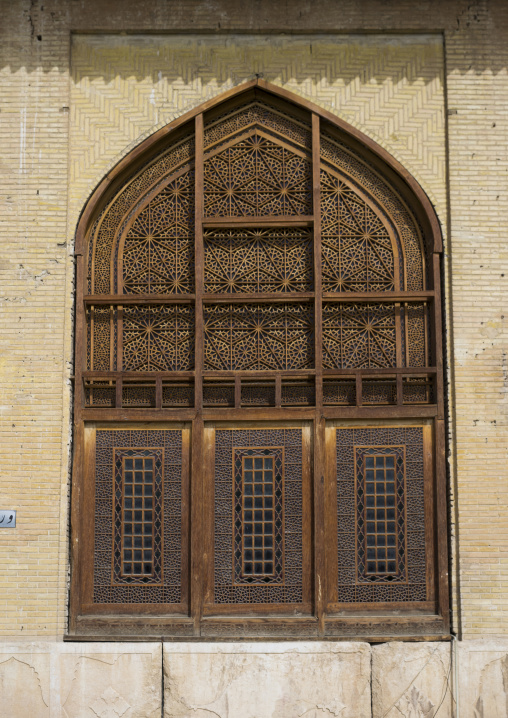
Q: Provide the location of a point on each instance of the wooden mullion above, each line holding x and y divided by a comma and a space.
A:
319, 422
197, 478
400, 390
119, 338
118, 392
398, 334
358, 385
278, 391
238, 392
158, 392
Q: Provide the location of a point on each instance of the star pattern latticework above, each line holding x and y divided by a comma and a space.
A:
158, 337
357, 336
258, 173
270, 260
256, 176
158, 255
258, 336
357, 252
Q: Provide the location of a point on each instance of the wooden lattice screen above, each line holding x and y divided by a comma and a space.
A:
259, 411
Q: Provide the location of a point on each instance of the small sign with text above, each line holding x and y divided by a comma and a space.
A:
7, 519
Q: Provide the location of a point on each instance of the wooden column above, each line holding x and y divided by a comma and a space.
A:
319, 422
197, 440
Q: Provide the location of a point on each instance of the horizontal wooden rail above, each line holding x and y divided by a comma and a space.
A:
258, 222
237, 298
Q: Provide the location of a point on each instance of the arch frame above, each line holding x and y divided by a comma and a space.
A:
316, 621
357, 138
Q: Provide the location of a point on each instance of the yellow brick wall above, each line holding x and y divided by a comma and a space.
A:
428, 82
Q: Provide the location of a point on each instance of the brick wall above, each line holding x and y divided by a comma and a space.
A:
430, 84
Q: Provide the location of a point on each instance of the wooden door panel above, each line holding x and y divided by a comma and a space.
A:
379, 519
136, 535
258, 533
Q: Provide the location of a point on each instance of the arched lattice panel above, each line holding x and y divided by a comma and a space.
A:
261, 288
157, 252
262, 217
109, 225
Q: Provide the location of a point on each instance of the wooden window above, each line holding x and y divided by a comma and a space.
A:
258, 385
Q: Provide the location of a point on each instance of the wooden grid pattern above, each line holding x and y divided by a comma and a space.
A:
380, 515
138, 516
262, 553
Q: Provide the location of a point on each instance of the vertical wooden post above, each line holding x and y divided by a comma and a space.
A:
437, 334
197, 514
158, 392
118, 392
278, 391
238, 392
319, 422
358, 386
400, 389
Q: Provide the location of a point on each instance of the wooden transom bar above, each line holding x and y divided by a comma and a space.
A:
258, 426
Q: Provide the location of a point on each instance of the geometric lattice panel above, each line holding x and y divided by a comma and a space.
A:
158, 337
100, 335
359, 336
258, 260
258, 508
138, 516
357, 252
256, 176
158, 254
258, 336
380, 515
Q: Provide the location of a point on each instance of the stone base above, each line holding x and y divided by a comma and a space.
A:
74, 680
253, 680
267, 680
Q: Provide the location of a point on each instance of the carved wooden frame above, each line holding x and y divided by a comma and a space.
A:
325, 619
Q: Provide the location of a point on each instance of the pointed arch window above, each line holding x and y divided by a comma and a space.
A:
258, 384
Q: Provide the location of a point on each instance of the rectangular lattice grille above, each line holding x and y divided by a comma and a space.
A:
258, 516
138, 521
138, 516
380, 515
260, 513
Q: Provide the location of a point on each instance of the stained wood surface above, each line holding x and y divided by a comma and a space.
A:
319, 614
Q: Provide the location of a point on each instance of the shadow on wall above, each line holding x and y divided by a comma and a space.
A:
37, 33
